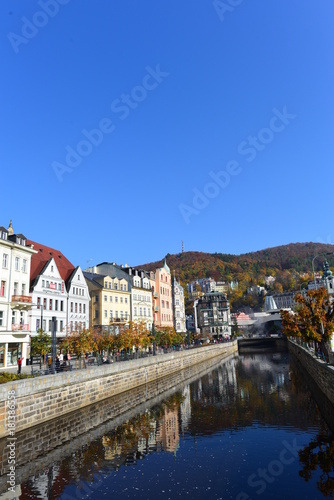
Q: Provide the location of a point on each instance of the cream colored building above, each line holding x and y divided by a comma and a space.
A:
110, 305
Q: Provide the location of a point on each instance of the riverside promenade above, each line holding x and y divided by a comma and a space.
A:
46, 397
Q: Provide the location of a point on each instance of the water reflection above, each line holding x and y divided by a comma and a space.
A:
247, 427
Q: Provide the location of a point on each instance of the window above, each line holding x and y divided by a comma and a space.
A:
121, 314
56, 305
61, 305
78, 277
44, 303
61, 325
135, 311
105, 313
140, 311
17, 264
110, 313
38, 302
121, 286
121, 300
115, 286
96, 298
105, 298
50, 305
84, 308
24, 265
116, 299
126, 300
23, 288
37, 324
43, 283
50, 325
80, 308
76, 307
3, 289
16, 288
5, 260
1, 318
52, 269
110, 298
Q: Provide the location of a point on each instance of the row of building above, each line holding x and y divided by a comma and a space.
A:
38, 283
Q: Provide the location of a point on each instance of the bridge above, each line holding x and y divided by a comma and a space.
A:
257, 343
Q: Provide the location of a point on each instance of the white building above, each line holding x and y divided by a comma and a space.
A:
59, 290
78, 301
179, 314
15, 302
141, 297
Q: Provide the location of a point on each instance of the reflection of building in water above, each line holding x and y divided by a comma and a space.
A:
168, 435
44, 485
185, 409
112, 449
227, 379
120, 450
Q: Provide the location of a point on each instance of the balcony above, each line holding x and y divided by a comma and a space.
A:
20, 327
22, 302
155, 294
156, 308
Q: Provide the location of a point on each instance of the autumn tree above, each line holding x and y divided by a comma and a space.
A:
80, 342
40, 344
313, 318
135, 335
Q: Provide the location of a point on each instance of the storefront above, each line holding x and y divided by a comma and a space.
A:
14, 351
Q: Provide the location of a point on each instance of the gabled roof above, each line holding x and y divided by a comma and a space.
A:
40, 259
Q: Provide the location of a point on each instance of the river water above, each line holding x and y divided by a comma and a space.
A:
244, 428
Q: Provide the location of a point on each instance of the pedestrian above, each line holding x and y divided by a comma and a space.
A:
19, 364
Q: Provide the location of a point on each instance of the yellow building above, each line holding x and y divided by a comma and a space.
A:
110, 305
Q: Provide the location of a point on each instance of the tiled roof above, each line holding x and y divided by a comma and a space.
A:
40, 259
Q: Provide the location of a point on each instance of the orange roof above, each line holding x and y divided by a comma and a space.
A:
40, 259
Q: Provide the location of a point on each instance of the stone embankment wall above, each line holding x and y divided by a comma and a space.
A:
43, 398
321, 372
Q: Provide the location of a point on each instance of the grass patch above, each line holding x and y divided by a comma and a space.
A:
10, 377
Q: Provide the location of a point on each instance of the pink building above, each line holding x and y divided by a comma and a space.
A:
161, 284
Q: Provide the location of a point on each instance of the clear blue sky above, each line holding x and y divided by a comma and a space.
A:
183, 92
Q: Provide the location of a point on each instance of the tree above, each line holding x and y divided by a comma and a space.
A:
41, 344
313, 318
80, 342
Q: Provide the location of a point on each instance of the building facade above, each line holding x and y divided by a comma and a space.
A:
161, 286
212, 316
59, 290
141, 296
179, 314
15, 301
110, 306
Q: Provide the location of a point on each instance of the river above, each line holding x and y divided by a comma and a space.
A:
246, 428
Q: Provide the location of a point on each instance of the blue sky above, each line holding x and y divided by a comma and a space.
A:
127, 127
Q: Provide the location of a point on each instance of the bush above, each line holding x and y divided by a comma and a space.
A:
10, 377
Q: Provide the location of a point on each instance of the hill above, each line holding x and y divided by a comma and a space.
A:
290, 264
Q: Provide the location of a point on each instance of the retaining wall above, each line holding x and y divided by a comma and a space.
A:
43, 398
321, 372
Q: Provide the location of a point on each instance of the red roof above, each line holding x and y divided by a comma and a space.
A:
44, 254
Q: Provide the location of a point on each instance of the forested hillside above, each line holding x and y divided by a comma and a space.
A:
291, 265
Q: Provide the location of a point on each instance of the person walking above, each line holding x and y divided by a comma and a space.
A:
19, 364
